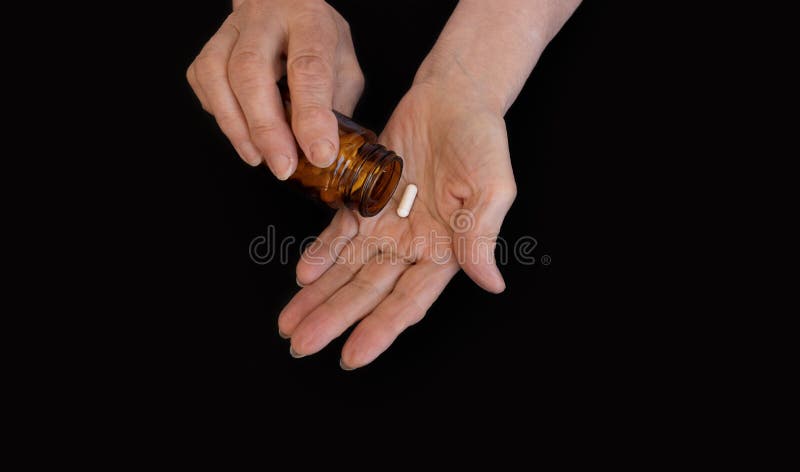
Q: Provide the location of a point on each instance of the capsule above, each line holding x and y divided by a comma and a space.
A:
404, 208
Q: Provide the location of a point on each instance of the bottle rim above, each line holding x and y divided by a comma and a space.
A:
369, 206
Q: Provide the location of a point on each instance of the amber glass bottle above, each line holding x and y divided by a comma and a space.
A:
363, 176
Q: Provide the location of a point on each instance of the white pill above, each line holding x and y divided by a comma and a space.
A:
407, 201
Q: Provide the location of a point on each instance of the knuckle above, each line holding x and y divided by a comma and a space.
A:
244, 83
314, 9
345, 25
253, 9
345, 267
412, 315
351, 73
227, 123
245, 59
414, 318
359, 79
314, 114
505, 193
205, 65
355, 80
248, 7
190, 77
310, 66
264, 128
365, 286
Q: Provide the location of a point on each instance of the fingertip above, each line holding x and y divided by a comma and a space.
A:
366, 343
282, 166
322, 153
304, 342
315, 128
307, 271
497, 287
304, 277
282, 327
348, 361
249, 153
488, 277
294, 353
494, 286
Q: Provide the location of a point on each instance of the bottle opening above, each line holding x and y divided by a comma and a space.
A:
381, 184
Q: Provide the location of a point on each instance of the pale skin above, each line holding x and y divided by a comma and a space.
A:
449, 128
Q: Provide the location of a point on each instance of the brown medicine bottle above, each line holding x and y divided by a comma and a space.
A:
363, 176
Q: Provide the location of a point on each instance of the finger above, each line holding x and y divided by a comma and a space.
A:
253, 70
211, 75
414, 293
348, 305
191, 77
322, 254
354, 255
349, 77
313, 39
475, 230
349, 86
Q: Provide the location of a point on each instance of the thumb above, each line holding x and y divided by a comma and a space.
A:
475, 229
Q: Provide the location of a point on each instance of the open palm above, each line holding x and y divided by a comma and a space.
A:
385, 272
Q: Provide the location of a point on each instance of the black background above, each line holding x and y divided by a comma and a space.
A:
205, 314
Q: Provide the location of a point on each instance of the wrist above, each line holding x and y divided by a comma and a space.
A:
448, 73
488, 49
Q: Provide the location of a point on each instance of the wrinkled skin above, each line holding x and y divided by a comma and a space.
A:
384, 272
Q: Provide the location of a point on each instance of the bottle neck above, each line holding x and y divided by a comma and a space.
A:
374, 180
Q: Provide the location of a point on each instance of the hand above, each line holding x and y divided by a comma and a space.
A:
385, 272
235, 77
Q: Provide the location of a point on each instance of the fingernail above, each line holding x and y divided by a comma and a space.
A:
322, 152
294, 353
282, 334
298, 283
281, 166
345, 366
249, 153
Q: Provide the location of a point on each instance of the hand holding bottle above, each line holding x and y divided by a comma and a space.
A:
383, 272
235, 77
